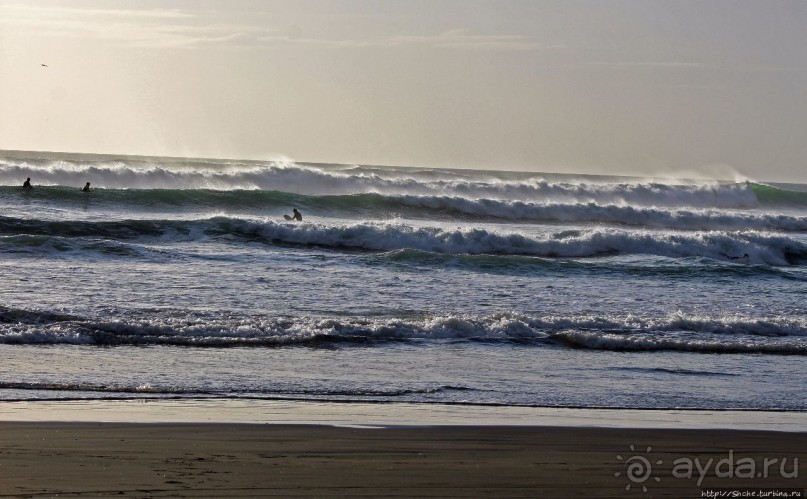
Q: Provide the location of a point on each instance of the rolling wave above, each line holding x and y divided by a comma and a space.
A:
319, 180
146, 389
750, 247
676, 332
519, 265
435, 206
770, 195
631, 343
747, 247
375, 206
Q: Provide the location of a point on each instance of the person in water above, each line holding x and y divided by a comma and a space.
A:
27, 184
86, 188
297, 215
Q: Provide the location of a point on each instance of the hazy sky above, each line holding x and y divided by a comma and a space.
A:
598, 86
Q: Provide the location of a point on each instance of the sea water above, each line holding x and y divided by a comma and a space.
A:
180, 278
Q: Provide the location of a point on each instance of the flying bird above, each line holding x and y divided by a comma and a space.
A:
45, 65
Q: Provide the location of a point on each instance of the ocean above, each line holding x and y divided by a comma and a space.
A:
180, 278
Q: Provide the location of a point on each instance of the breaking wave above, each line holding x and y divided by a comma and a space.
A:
742, 246
144, 390
322, 180
676, 332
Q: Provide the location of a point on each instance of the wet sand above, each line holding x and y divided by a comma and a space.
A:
46, 459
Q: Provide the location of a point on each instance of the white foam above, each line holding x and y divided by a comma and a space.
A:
608, 213
760, 247
306, 179
674, 331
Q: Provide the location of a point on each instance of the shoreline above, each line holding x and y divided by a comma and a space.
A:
279, 412
260, 448
280, 460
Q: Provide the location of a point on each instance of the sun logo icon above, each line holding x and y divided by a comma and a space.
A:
638, 469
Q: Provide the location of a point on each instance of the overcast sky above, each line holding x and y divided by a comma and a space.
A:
598, 86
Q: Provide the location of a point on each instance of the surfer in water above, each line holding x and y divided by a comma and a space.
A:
27, 184
298, 217
86, 188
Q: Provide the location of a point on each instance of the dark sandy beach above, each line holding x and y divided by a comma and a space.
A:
243, 460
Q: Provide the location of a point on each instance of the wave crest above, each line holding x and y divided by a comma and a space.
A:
750, 247
310, 179
723, 334
747, 247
